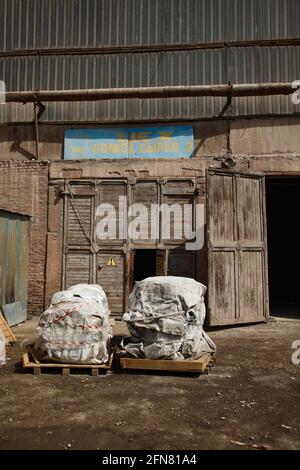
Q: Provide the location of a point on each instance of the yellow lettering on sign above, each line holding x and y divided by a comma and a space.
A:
138, 136
165, 135
77, 149
109, 148
144, 135
111, 262
121, 136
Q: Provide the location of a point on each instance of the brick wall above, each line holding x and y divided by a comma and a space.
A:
24, 189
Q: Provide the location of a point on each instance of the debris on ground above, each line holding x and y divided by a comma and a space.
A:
253, 446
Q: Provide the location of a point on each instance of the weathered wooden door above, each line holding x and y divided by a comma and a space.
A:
237, 248
14, 249
111, 277
88, 258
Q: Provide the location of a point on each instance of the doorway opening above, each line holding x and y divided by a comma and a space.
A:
144, 264
282, 204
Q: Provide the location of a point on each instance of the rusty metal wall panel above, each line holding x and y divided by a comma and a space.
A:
236, 257
14, 246
260, 65
279, 18
111, 277
237, 65
33, 24
105, 71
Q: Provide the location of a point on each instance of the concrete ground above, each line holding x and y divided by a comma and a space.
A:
250, 400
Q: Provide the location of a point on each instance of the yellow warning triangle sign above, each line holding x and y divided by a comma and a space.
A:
111, 262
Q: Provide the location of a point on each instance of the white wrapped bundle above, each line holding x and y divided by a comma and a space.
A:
165, 318
2, 350
75, 328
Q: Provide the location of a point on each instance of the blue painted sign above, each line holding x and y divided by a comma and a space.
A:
146, 142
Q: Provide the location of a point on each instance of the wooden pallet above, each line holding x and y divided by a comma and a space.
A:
29, 360
7, 333
198, 366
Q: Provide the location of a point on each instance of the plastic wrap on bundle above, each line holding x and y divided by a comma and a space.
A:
75, 328
165, 318
2, 349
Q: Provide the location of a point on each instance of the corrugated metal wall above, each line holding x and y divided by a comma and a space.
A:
29, 24
54, 24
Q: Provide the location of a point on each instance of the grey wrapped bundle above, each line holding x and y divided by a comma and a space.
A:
75, 328
165, 318
2, 349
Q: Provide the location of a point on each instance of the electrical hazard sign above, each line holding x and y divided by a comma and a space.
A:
111, 262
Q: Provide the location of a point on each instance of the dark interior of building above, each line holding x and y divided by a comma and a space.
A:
282, 201
144, 264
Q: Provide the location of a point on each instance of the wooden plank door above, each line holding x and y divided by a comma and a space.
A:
111, 277
237, 248
89, 258
78, 263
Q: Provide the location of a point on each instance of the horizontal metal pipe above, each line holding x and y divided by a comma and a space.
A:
151, 48
253, 89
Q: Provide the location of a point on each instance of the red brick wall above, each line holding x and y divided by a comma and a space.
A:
24, 189
54, 242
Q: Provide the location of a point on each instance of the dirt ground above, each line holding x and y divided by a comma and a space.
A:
250, 397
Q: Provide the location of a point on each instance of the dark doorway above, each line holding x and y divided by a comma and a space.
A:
283, 196
144, 264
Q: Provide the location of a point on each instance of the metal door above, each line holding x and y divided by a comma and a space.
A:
14, 248
237, 248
